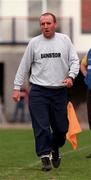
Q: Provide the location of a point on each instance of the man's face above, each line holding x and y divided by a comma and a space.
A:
47, 26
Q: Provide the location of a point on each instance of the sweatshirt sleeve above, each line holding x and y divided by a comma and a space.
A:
24, 67
74, 62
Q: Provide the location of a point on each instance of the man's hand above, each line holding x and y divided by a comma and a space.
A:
16, 95
68, 82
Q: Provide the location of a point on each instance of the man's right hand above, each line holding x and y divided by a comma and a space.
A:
16, 95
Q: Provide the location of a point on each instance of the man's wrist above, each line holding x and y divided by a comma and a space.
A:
71, 78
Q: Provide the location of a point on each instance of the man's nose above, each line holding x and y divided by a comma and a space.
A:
45, 25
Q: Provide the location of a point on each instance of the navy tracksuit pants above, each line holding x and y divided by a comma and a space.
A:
48, 109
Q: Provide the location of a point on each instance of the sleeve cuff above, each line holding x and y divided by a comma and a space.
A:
17, 87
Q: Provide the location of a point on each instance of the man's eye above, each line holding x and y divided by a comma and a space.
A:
42, 24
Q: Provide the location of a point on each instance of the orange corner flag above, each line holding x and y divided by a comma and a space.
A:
74, 126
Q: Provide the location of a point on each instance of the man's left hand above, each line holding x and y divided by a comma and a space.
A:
68, 82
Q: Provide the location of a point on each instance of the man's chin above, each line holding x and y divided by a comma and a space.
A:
47, 35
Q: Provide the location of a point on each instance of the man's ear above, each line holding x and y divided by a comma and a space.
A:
56, 25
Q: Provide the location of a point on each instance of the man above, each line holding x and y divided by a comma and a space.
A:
86, 71
54, 65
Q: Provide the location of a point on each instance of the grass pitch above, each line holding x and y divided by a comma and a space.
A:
18, 160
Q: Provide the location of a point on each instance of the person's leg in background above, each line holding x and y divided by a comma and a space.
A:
16, 113
22, 111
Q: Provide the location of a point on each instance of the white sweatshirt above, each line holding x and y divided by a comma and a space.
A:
51, 61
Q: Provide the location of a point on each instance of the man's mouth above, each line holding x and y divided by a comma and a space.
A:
47, 31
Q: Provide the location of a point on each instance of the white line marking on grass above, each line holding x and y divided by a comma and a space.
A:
64, 154
80, 149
